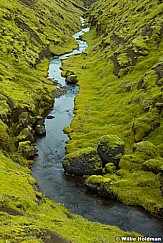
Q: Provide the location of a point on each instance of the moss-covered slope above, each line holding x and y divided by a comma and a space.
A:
30, 32
120, 78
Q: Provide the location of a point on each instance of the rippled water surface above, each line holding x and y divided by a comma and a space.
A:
68, 190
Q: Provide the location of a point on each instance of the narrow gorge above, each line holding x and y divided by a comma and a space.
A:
85, 134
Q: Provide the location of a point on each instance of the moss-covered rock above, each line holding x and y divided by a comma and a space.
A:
143, 151
153, 165
27, 149
71, 79
106, 189
110, 149
145, 124
109, 168
93, 182
146, 150
131, 162
83, 162
26, 134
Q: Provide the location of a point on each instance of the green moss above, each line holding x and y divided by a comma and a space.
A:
140, 188
145, 124
112, 140
153, 165
80, 152
30, 216
109, 168
160, 149
140, 46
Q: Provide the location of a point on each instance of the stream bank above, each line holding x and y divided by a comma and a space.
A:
68, 190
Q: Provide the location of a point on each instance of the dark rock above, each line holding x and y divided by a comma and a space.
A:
40, 130
105, 189
50, 117
110, 149
83, 162
93, 182
71, 79
109, 168
39, 126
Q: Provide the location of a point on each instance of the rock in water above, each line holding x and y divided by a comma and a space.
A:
71, 79
83, 162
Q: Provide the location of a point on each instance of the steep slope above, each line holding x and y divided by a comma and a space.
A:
121, 96
30, 32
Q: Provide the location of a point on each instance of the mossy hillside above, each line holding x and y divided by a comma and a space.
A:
30, 33
27, 216
120, 80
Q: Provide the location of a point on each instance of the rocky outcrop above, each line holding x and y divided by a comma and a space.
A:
26, 149
83, 162
93, 182
110, 149
106, 189
102, 185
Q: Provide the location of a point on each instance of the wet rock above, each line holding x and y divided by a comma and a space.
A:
40, 130
27, 149
110, 149
106, 189
39, 126
71, 79
50, 117
83, 162
93, 182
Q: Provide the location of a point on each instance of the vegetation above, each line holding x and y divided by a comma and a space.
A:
120, 77
31, 32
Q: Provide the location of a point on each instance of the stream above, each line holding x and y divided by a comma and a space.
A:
66, 189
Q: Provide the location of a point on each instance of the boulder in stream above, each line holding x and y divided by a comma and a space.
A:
83, 162
71, 79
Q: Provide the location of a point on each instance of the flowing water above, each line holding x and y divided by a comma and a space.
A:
68, 190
